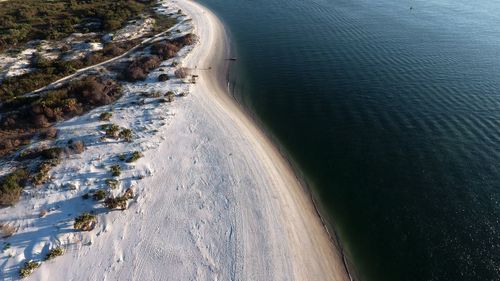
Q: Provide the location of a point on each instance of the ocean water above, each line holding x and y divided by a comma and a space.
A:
391, 109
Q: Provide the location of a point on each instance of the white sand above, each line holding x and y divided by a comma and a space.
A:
221, 204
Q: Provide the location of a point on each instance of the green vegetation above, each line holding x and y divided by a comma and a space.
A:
112, 130
28, 268
25, 20
99, 195
71, 100
136, 155
52, 153
112, 183
54, 253
85, 222
162, 22
126, 134
105, 116
163, 77
119, 202
116, 170
170, 96
12, 186
43, 171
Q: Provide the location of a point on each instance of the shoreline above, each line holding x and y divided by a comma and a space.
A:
272, 143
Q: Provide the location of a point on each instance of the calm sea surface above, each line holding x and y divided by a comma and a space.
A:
391, 108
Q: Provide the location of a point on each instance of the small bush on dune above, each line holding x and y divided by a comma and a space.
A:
165, 50
28, 268
99, 195
163, 77
76, 146
52, 153
169, 96
105, 116
43, 171
136, 155
112, 130
119, 202
112, 183
95, 91
85, 222
140, 68
12, 186
54, 253
116, 170
126, 134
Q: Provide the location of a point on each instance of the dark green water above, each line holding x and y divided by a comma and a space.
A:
393, 115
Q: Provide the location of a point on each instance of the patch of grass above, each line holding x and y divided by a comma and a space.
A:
116, 170
28, 268
85, 222
54, 253
12, 186
136, 155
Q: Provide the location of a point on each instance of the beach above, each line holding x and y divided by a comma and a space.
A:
222, 202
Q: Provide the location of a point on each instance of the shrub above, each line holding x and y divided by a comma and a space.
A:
112, 183
52, 153
99, 195
165, 50
134, 157
140, 68
85, 222
43, 171
170, 96
119, 202
163, 77
116, 170
112, 130
105, 116
126, 134
50, 133
28, 268
129, 193
54, 253
12, 186
95, 91
76, 146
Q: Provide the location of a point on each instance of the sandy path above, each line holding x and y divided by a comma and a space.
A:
222, 203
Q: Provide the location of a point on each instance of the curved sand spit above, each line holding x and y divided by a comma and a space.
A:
223, 204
